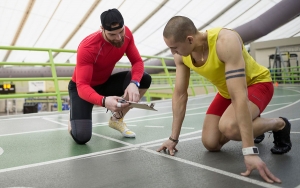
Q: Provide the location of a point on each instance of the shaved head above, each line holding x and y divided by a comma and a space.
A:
178, 28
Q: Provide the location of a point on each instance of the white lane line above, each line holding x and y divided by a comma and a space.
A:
164, 117
294, 119
160, 114
295, 132
152, 126
100, 124
22, 118
277, 109
160, 143
112, 139
106, 124
126, 148
278, 104
215, 170
164, 139
280, 96
195, 114
293, 90
29, 132
104, 154
131, 125
190, 133
192, 138
53, 121
151, 142
187, 128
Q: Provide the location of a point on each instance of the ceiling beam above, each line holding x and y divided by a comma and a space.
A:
186, 3
79, 25
211, 20
228, 7
150, 15
121, 4
49, 20
20, 28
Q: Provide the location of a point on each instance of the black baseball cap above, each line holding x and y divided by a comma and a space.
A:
111, 17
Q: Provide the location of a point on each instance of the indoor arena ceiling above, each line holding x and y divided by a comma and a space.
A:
64, 23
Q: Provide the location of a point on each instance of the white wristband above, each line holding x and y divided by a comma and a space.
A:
250, 150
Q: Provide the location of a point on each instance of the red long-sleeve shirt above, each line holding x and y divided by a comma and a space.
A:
96, 59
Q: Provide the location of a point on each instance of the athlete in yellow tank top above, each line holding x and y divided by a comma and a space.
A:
245, 89
255, 73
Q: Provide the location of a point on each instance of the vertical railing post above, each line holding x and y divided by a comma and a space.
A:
148, 98
283, 74
191, 85
204, 84
167, 73
54, 76
274, 74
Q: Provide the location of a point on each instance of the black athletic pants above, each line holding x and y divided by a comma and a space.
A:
114, 86
81, 110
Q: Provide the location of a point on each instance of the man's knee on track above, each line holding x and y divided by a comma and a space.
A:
229, 129
81, 130
210, 144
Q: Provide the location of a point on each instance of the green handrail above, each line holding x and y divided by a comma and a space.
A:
58, 93
286, 75
54, 75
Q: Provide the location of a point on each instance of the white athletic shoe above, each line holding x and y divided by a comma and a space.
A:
121, 127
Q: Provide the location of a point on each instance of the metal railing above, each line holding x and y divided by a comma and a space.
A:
167, 76
286, 75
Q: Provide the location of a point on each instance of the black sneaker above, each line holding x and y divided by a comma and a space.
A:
282, 141
259, 139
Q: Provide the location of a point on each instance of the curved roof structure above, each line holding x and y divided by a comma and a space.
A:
64, 23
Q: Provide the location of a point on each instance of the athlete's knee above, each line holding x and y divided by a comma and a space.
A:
229, 129
211, 144
81, 130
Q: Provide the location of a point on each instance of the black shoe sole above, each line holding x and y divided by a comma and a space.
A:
282, 148
275, 151
259, 139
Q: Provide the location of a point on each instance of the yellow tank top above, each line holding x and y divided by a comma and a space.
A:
214, 69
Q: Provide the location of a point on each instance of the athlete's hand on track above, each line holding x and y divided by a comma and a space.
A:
254, 162
170, 145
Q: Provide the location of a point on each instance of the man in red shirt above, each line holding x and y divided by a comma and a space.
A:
92, 82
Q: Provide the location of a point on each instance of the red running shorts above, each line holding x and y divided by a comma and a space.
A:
260, 94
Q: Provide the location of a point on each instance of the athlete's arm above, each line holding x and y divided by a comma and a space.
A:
179, 101
229, 50
180, 95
